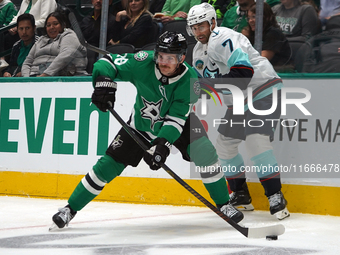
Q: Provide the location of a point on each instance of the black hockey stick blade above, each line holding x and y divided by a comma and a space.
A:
257, 232
76, 28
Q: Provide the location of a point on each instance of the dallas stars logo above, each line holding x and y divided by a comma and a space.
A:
152, 111
141, 55
116, 143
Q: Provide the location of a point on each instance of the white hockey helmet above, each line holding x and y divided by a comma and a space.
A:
200, 13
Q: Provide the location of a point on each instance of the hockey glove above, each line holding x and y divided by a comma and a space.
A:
104, 92
157, 153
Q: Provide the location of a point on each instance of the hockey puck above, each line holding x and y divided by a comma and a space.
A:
273, 237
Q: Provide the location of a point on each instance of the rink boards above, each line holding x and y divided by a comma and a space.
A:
50, 136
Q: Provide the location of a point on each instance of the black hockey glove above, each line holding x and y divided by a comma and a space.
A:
104, 92
157, 153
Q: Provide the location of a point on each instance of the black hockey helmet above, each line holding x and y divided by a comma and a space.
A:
171, 42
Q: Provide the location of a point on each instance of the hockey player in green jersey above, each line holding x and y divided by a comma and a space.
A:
167, 88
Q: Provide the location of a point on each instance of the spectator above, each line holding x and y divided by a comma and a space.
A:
221, 6
275, 46
7, 12
58, 53
327, 9
298, 22
321, 53
177, 9
20, 50
38, 8
236, 17
156, 6
90, 25
134, 25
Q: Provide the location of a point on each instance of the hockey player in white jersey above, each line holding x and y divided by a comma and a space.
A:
229, 58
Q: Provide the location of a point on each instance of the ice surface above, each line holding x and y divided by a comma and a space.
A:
116, 228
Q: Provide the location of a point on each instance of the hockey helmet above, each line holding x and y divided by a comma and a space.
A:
172, 43
200, 13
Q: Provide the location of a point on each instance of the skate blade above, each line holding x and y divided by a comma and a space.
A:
282, 214
53, 227
248, 207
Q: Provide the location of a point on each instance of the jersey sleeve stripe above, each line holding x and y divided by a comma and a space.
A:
174, 124
242, 67
176, 119
239, 58
108, 59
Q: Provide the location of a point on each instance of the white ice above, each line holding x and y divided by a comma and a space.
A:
116, 228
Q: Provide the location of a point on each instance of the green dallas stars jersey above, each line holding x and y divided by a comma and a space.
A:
162, 104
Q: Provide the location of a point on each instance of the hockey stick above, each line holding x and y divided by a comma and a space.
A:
76, 28
259, 232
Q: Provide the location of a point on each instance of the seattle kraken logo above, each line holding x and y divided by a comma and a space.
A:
152, 111
210, 74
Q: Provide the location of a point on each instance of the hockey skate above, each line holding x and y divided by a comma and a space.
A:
241, 199
278, 206
231, 212
62, 218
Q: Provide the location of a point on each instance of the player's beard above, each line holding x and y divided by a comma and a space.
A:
166, 70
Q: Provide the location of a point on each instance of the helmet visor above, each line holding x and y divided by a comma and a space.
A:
166, 58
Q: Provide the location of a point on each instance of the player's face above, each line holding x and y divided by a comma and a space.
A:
201, 31
251, 20
167, 63
26, 31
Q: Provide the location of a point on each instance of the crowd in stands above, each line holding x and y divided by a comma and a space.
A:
298, 35
57, 53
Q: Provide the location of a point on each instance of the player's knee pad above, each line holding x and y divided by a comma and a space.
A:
106, 168
202, 152
256, 144
226, 147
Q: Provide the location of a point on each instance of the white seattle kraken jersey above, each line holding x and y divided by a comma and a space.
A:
227, 48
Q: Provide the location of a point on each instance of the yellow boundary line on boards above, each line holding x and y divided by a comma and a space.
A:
301, 198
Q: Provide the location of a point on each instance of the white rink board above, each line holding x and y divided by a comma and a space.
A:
300, 148
48, 162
